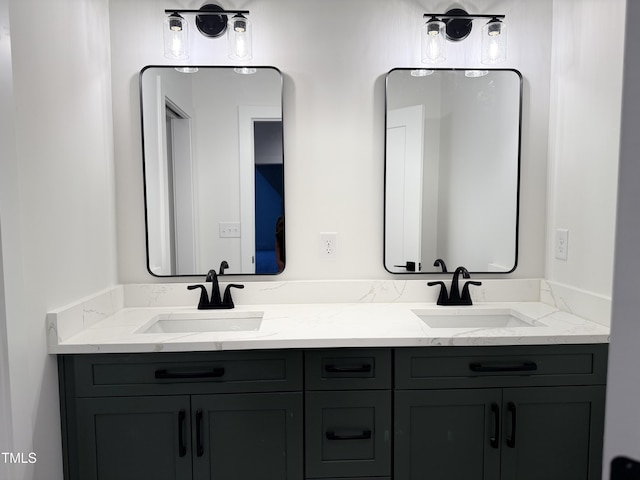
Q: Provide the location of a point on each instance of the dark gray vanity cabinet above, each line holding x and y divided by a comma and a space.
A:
183, 416
436, 413
512, 413
348, 413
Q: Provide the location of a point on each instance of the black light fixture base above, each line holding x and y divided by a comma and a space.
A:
212, 25
458, 28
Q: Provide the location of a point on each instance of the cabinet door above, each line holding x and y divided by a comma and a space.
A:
129, 438
553, 433
247, 436
447, 434
348, 433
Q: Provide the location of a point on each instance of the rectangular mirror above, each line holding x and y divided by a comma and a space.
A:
213, 169
452, 169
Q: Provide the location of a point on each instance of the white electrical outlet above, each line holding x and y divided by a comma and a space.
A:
562, 243
229, 229
328, 244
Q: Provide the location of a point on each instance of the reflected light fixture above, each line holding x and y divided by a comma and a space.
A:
475, 73
211, 21
421, 72
455, 25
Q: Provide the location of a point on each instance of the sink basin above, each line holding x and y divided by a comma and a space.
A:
209, 321
504, 318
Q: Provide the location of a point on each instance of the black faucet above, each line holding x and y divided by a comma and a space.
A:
216, 301
454, 298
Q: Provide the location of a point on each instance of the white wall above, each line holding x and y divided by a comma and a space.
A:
334, 56
9, 225
586, 81
622, 430
56, 201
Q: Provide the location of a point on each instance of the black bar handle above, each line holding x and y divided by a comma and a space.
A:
199, 445
213, 373
494, 440
364, 435
503, 367
182, 449
365, 368
511, 439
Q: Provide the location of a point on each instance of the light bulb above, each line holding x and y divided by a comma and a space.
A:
175, 37
494, 42
433, 41
239, 38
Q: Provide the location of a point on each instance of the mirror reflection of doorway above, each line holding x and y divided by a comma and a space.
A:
180, 213
269, 195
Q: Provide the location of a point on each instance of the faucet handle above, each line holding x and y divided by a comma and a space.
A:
227, 301
204, 300
443, 298
465, 298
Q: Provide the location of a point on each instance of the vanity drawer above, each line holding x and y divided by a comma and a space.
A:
177, 373
498, 366
348, 434
348, 369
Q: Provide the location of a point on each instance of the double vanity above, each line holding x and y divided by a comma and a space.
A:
330, 380
372, 390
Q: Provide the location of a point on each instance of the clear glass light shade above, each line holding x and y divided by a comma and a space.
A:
239, 38
494, 42
176, 37
433, 42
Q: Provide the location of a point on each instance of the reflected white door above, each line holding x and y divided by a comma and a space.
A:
403, 210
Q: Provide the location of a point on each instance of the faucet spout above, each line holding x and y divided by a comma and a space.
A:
454, 293
212, 277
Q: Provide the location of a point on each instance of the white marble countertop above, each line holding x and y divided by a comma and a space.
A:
322, 325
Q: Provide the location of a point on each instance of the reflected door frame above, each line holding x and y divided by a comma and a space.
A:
403, 215
247, 116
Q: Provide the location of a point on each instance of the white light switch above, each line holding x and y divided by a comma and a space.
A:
562, 243
229, 229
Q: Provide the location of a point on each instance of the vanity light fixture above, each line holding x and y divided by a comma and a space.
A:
494, 42
176, 37
455, 25
211, 21
433, 41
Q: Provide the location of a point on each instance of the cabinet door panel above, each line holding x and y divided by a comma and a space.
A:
252, 436
124, 438
447, 435
348, 433
558, 434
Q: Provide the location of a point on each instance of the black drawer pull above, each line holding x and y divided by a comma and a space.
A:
199, 445
366, 368
182, 449
504, 367
364, 435
494, 440
213, 373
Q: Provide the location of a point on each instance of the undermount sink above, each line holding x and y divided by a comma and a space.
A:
218, 321
498, 318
